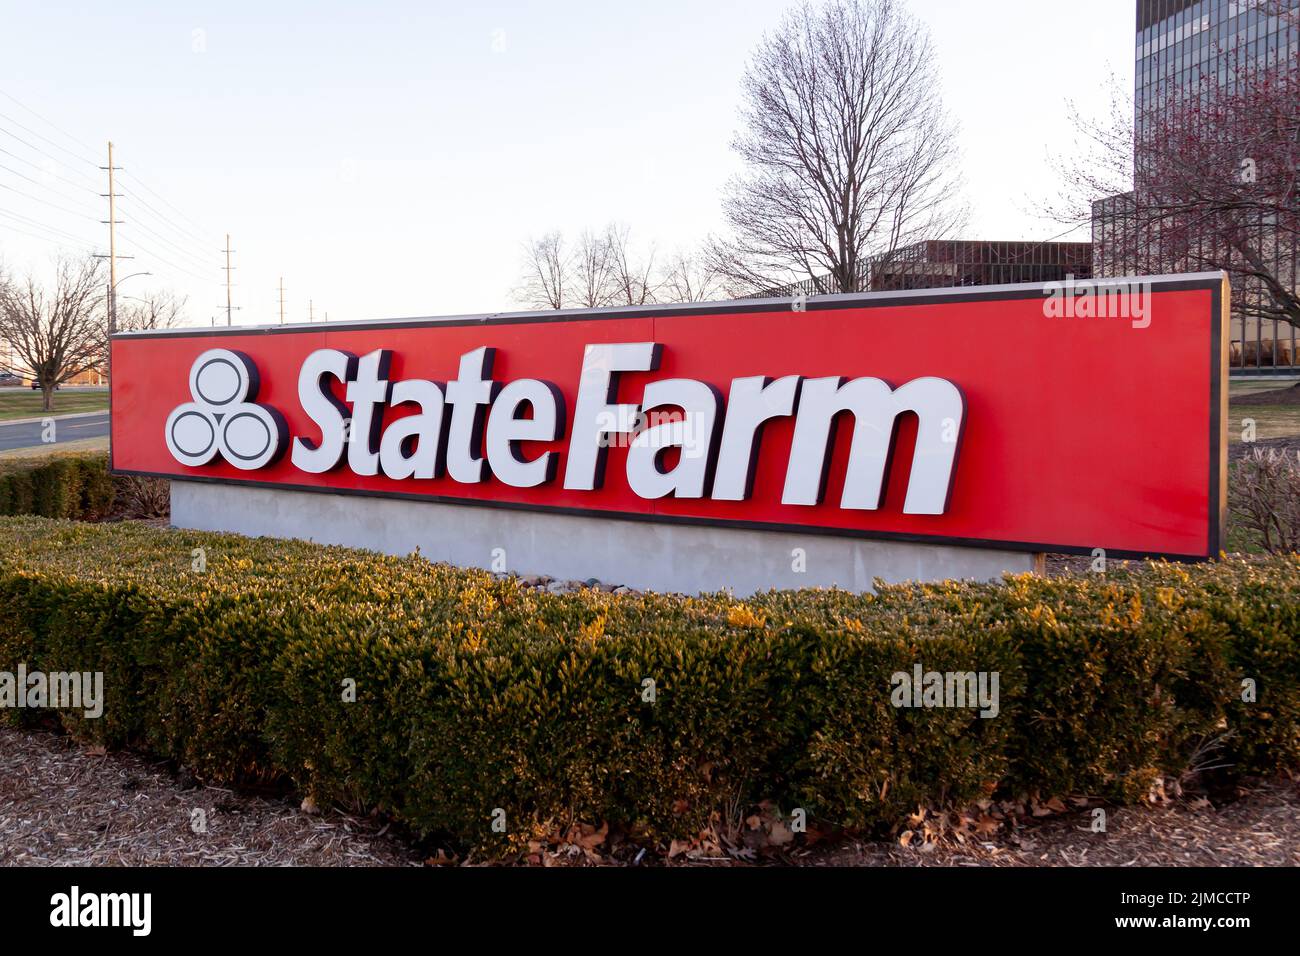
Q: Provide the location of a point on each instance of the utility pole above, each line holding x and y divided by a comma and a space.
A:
112, 245
311, 315
112, 257
228, 271
282, 300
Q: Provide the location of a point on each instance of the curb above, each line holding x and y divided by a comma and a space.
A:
57, 418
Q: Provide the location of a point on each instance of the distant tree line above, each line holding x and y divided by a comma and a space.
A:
603, 267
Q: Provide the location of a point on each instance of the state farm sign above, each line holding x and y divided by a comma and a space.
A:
981, 418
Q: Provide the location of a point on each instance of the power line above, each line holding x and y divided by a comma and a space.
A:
72, 212
36, 223
141, 247
56, 239
36, 165
48, 122
165, 221
37, 182
30, 223
180, 231
146, 252
151, 252
202, 242
28, 129
51, 157
154, 193
31, 235
194, 259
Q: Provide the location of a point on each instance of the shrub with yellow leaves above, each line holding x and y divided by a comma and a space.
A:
495, 714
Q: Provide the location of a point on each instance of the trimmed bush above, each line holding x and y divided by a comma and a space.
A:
17, 492
58, 486
658, 713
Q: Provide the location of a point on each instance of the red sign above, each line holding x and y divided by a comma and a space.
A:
1043, 418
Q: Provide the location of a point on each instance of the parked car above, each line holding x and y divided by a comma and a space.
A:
36, 385
10, 379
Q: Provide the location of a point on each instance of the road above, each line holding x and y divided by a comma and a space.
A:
26, 434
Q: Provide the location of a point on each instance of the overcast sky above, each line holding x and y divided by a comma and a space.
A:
389, 158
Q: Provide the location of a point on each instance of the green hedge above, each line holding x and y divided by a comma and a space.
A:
475, 694
58, 486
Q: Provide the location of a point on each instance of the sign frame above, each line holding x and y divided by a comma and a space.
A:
1217, 373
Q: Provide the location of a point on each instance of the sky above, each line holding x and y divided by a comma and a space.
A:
390, 158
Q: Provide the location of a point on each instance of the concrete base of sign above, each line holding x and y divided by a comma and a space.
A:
640, 554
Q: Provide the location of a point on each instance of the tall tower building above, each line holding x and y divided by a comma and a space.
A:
1185, 49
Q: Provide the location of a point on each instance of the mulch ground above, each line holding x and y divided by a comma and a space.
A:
1259, 827
61, 804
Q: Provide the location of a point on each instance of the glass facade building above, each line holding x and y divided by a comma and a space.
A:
1187, 49
1179, 42
947, 263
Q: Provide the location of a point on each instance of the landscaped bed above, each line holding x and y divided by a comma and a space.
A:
62, 804
491, 715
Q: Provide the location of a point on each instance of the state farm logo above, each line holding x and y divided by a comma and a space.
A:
684, 439
223, 419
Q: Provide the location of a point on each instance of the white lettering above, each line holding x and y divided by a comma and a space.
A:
469, 397
598, 415
875, 408
506, 428
324, 409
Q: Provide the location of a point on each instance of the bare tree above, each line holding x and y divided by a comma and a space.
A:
1098, 164
58, 333
633, 278
849, 153
546, 273
692, 277
603, 269
593, 277
154, 310
1209, 180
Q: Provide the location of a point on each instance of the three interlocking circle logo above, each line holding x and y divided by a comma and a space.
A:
222, 419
